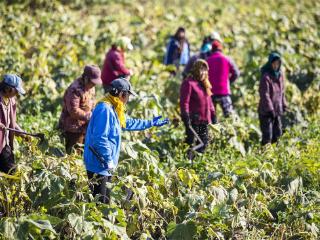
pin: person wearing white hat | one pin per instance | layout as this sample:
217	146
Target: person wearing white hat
114	63
10	87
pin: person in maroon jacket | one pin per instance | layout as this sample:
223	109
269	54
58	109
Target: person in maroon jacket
10	87
78	103
196	106
272	99
114	63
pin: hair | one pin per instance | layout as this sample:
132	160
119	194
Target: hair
5	87
180	29
195	74
114	92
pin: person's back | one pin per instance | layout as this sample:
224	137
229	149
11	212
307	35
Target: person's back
219	71
113	67
114	63
222	72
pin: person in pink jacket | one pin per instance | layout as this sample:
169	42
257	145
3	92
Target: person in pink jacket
222	72
196	106
114	63
10	87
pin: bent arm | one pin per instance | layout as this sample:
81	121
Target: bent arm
118	65
73	107
185	94
264	91
100	131
234	71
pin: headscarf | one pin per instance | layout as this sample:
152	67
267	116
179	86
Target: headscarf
195	74
267	68
119	107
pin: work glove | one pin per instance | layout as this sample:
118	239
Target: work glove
158	122
186	119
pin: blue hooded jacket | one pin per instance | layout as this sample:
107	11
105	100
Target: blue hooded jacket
173	55
104	136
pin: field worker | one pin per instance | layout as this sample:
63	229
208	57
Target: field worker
196	106
10	87
114	63
204	53
103	137
272	102
178	49
78	103
222	72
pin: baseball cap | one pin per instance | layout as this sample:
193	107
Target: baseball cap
14	81
94	73
122	84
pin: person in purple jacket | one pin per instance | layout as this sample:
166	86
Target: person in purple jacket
196	106
222	72
272	102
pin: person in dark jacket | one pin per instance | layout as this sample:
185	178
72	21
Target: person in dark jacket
196	107
204	53
178	49
114	63
272	102
10	87
222	72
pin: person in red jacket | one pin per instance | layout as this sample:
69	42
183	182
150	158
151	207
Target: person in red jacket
114	63
78	103
196	106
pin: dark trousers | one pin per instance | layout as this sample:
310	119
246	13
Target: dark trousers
7	163
271	128
97	185
72	139
202	132
225	103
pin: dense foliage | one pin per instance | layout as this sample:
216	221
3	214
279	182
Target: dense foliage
236	190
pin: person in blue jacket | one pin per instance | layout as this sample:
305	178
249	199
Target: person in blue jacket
103	137
178	49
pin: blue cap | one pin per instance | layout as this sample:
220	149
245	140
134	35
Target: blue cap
14	81
122	84
206	48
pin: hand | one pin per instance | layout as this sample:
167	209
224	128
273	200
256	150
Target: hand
2	126
214	119
272	114
158	122
285	108
89	116
186	119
